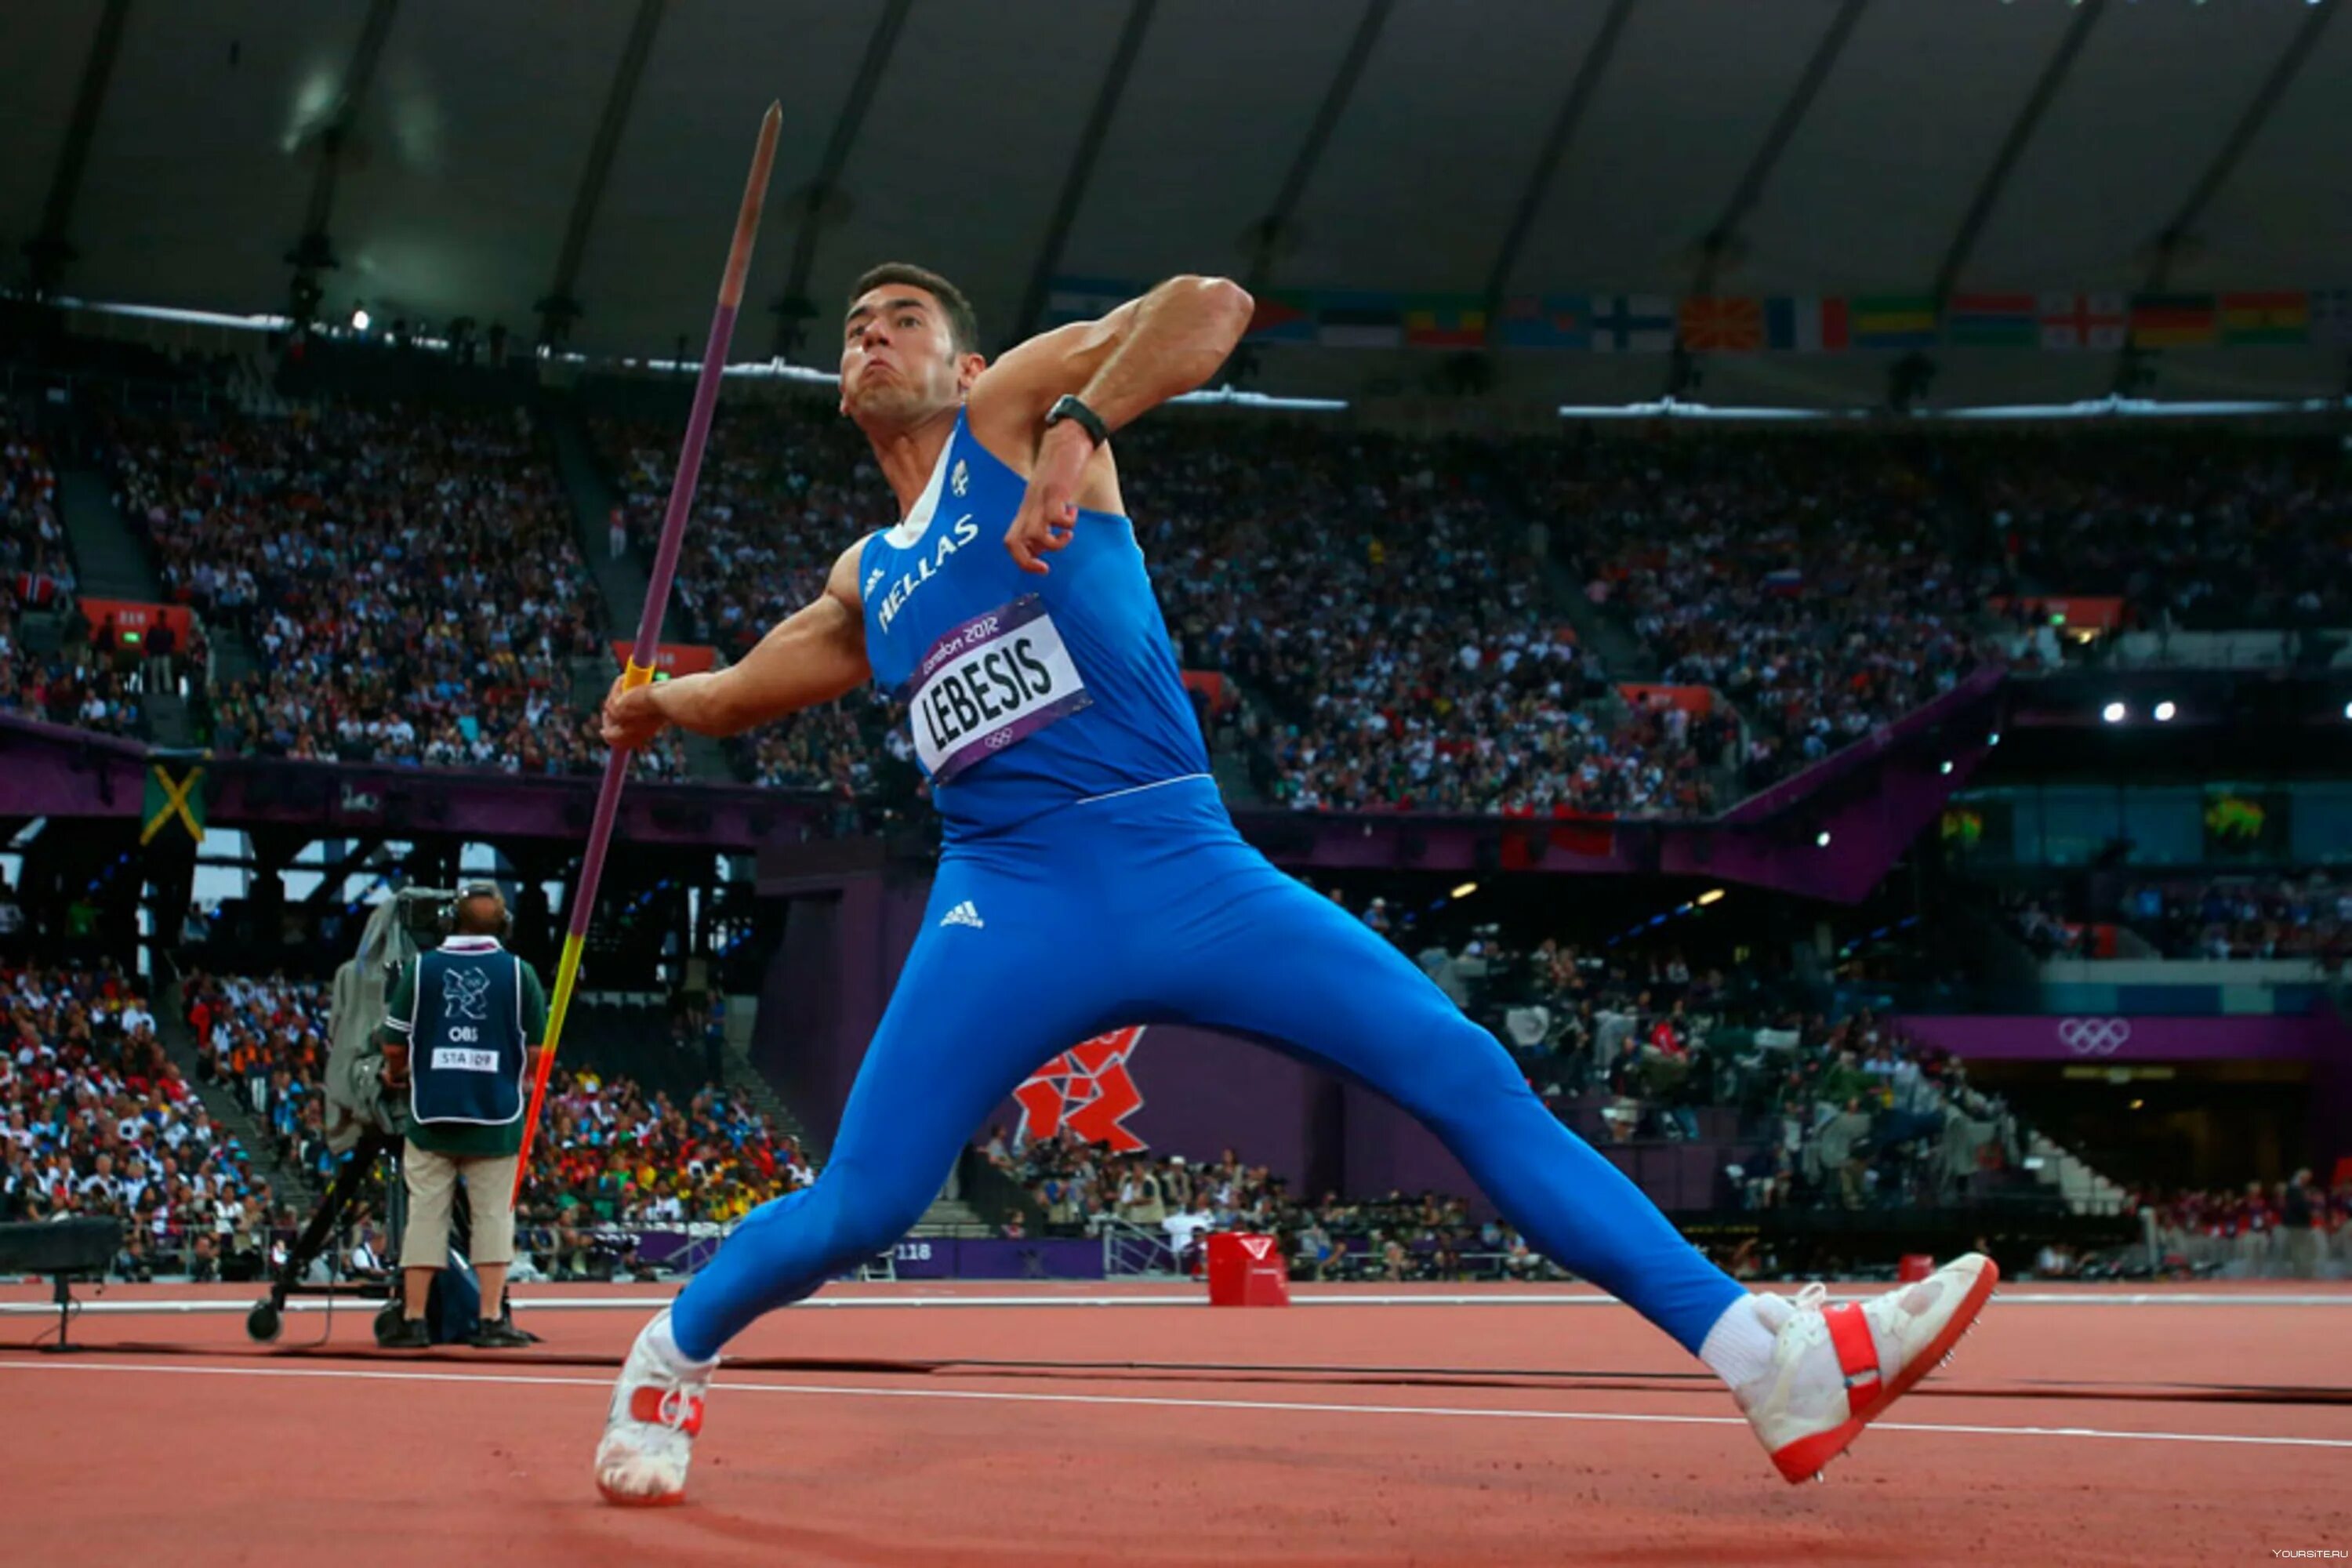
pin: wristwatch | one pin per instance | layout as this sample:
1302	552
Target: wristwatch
1079	415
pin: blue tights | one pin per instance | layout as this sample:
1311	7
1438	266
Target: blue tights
1152	909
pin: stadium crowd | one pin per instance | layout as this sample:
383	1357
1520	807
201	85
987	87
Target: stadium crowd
410	579
80	682
2243	916
1386	597
407	576
2204	531
1814	584
1639	1040
612	1158
2304	915
785	486
98	1121
1168	1205
1379	592
2299	1228
265	1039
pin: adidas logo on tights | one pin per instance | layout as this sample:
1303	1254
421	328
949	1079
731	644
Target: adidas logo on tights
963	914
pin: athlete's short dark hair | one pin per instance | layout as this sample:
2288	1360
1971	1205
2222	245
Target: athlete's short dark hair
963	326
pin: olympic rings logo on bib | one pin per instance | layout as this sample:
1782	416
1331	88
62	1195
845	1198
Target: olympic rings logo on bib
990	683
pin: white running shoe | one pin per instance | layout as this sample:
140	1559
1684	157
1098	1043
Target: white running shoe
656	1414
1835	1369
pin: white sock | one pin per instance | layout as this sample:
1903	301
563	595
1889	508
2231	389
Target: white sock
1739	1347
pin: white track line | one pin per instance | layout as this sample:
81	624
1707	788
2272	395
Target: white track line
1159	1402
1191	1299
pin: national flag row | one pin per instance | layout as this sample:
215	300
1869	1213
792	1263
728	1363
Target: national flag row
1651	323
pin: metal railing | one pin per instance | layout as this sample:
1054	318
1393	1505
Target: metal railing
1130	1251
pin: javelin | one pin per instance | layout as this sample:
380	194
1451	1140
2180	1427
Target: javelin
640	668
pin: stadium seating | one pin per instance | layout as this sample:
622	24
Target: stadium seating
1396	611
95	1120
408	578
1377	591
2204	530
68	680
1814	581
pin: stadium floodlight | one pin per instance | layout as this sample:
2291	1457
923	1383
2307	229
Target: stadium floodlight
359	321
1465	889
1944	768
2115	713
1821	840
1712	896
1993	738
2165	712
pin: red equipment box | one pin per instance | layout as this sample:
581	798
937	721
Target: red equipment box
1247	1271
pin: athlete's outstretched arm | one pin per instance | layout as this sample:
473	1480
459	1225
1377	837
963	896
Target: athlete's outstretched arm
815	653
1126	364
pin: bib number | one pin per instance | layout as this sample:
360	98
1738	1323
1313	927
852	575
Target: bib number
449	1058
989	684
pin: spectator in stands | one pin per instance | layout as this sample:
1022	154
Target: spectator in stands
1185	1227
12	923
1142	1201
1842	1143
2296	1215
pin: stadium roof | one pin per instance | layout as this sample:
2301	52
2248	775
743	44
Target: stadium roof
464	159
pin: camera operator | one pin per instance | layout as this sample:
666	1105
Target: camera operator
464	1023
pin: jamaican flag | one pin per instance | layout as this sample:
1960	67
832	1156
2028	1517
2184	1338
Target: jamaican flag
175	796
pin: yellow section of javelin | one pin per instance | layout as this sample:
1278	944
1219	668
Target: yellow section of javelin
635	675
567	972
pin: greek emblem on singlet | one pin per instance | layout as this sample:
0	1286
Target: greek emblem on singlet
988	684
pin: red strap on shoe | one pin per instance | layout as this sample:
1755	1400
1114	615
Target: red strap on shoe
1857	1350
646	1405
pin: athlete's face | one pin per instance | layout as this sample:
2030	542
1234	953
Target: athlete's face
898	359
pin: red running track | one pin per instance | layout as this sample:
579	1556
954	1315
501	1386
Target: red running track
2089	1428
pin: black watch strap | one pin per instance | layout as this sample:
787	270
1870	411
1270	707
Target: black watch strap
1070	409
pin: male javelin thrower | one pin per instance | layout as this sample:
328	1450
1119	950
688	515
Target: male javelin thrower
1090	878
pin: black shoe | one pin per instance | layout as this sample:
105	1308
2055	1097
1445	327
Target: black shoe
412	1335
501	1334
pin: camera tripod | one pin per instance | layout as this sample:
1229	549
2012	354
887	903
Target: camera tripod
268	1317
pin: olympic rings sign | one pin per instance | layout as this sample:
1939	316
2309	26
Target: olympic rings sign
2094	1036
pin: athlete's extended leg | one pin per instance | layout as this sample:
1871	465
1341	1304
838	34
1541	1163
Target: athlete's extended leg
976	1009
967	1022
1262	955
1275	961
